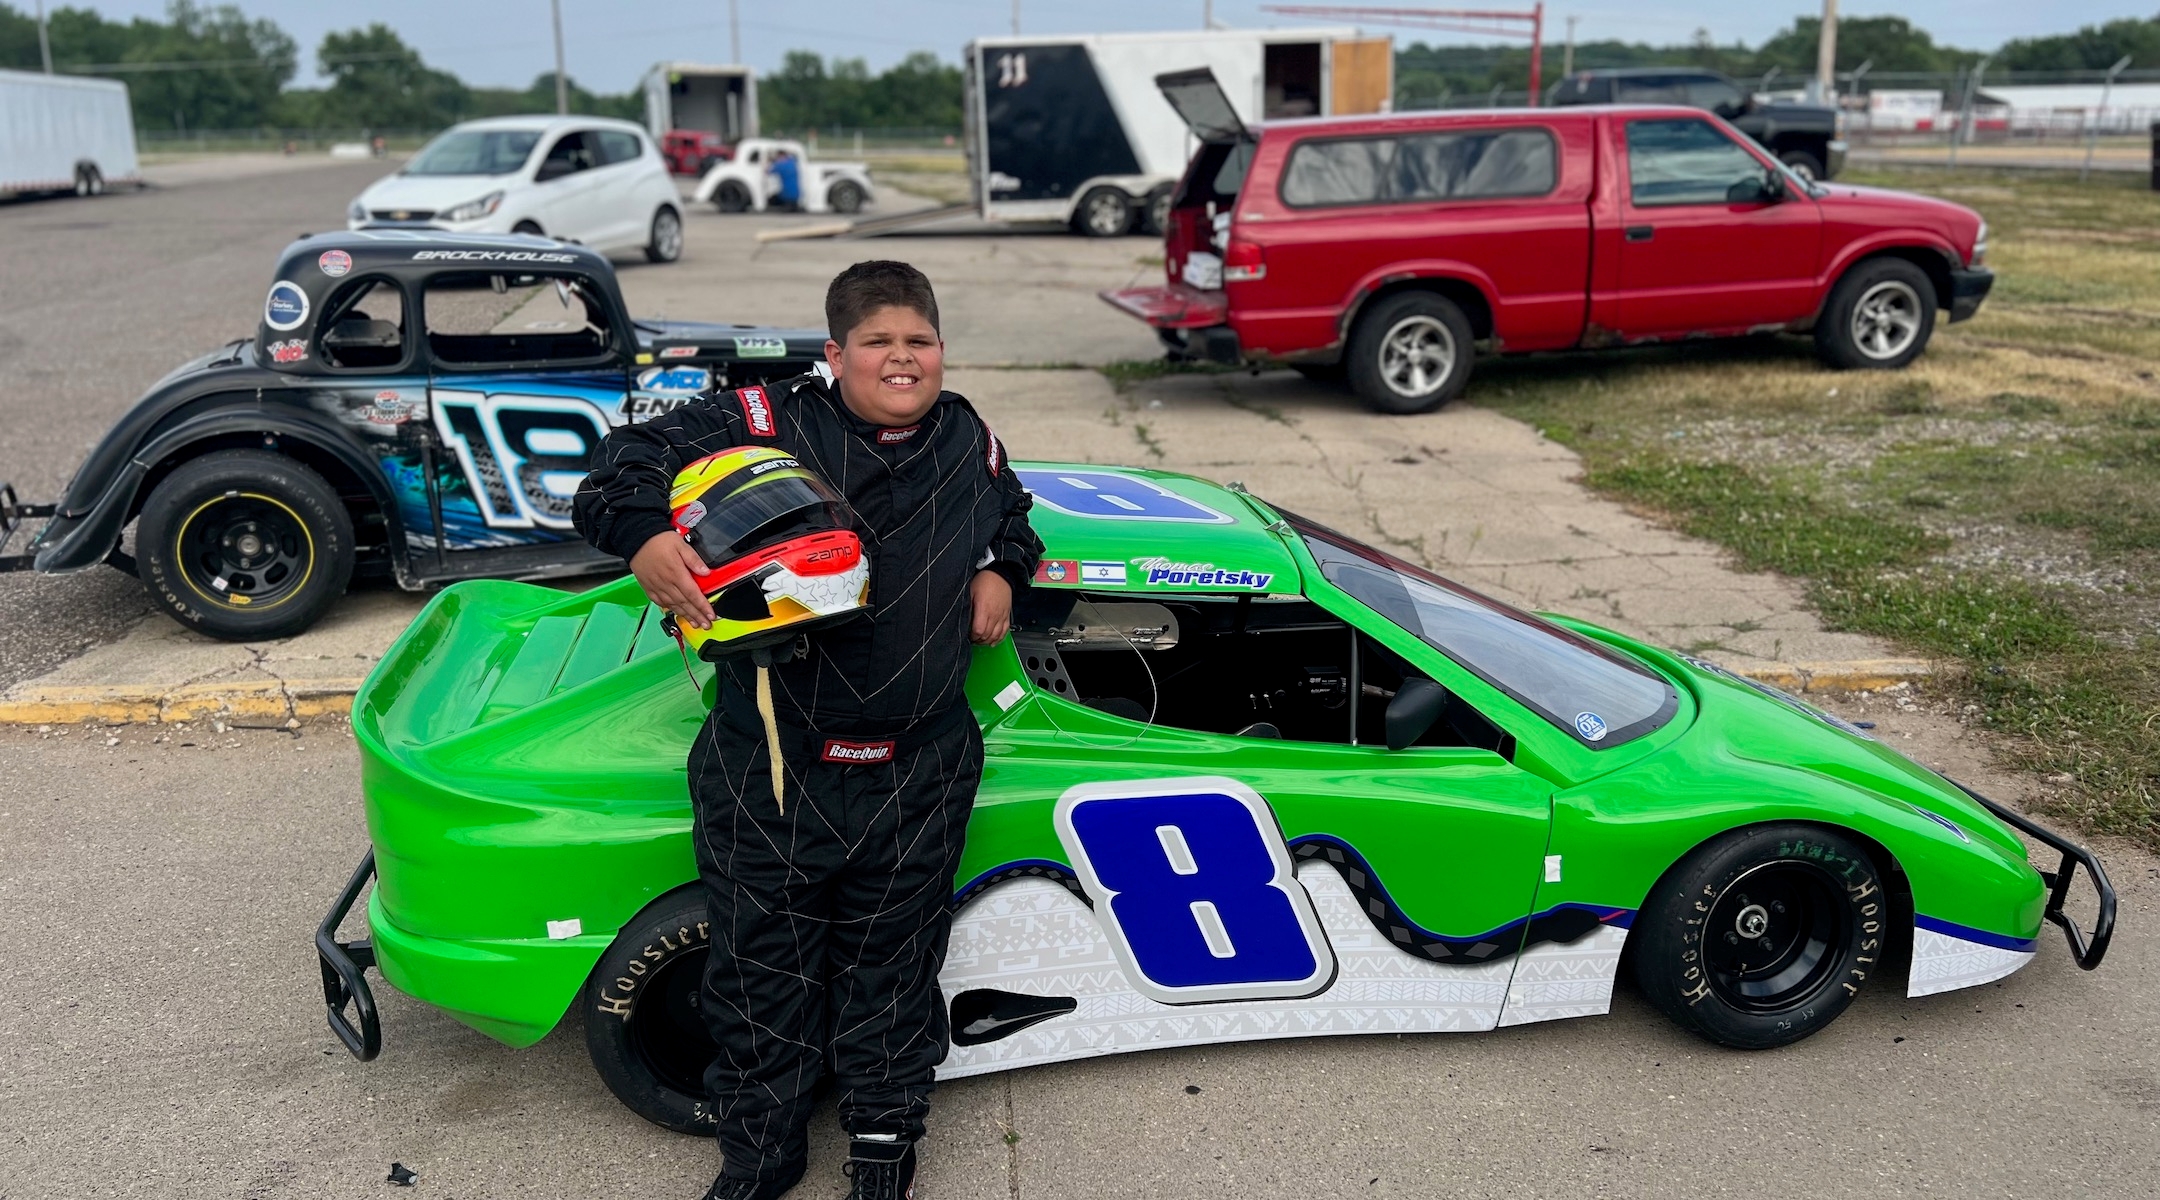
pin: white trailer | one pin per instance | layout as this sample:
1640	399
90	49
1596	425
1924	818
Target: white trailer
64	133
715	100
1074	130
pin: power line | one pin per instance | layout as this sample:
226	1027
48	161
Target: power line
213	64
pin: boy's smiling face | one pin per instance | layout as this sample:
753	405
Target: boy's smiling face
892	367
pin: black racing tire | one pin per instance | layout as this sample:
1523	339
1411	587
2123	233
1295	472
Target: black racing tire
244	545
528	228
1762	936
1879	317
1410	353
1805	163
666	241
1155	210
845	196
1104	212
642	1023
731	196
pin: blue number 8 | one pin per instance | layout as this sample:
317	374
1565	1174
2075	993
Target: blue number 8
1196	890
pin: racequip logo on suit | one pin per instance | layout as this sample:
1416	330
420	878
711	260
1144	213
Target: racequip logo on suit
995	455
893	437
837	751
757	410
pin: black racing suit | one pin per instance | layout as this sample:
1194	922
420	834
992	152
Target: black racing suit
829	923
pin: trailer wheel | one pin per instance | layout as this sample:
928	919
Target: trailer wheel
643	1027
846	196
89	181
1410	353
1155	211
243	545
1104	212
732	197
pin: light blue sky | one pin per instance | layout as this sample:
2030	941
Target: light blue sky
609	43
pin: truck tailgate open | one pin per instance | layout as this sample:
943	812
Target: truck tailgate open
1171	306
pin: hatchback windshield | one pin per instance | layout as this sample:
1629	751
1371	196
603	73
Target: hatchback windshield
1593	692
474	152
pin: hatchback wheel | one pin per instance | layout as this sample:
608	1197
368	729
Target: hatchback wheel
1410	353
1103	212
665	245
1763	936
1879	316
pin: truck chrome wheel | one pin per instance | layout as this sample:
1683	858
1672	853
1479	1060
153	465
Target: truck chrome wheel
1886	320
1417	355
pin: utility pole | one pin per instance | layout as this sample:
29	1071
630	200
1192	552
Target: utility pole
734	32
44	43
562	84
1207	14
2092	132
1016	18
1963	132
1825	86
1567	56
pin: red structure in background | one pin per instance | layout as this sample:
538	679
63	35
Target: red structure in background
1488	22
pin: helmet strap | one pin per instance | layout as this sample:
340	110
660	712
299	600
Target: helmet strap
763	658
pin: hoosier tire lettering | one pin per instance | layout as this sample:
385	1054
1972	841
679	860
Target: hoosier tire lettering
644	1027
1763	936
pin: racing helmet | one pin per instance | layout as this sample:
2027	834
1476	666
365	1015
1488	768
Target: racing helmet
779	545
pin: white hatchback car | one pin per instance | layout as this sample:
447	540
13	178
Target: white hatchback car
582	179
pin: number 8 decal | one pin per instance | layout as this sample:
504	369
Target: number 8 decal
1196	890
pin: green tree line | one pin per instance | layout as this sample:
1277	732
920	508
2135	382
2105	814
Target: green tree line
213	67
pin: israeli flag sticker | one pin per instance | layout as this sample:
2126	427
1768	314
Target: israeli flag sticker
1591	726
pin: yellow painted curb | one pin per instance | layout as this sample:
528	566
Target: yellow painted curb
1864	674
254	703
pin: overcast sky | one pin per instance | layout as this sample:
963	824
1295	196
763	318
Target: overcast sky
610	43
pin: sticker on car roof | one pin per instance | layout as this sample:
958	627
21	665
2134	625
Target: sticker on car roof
286	307
761	347
1163	571
1108	496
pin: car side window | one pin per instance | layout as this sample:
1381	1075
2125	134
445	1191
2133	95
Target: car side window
1687	161
482	319
364	327
619	146
1451	165
571	153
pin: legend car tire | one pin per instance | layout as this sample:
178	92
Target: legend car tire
643	1028
244	545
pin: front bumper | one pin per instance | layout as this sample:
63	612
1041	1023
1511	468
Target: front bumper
1967	289
344	971
2090	948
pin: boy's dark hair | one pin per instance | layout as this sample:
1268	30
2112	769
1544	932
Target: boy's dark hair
869	286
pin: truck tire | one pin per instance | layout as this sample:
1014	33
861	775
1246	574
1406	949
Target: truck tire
1763	936
1410	353
244	545
845	196
1805	163
665	244
731	197
642	1025
1155	210
1104	212
1879	317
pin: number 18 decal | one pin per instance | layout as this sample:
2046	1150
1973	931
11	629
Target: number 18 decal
1196	889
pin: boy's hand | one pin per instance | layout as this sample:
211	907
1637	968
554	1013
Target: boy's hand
992	598
667	568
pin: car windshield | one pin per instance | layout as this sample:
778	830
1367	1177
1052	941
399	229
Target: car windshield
1590	691
474	152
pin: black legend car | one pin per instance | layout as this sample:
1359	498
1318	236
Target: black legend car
413	404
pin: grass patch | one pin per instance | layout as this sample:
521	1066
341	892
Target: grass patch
1125	374
1995	506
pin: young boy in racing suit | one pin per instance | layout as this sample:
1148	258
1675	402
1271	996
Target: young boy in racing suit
829	920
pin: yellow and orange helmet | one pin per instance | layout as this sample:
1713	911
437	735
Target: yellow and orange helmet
779	544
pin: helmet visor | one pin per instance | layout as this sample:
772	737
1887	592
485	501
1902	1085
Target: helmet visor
745	510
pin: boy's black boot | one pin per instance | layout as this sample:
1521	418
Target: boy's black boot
882	1170
729	1188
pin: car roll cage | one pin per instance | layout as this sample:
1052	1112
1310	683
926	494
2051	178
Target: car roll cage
2088	950
344	971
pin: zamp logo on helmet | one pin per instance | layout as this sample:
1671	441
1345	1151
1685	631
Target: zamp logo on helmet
757	410
857	752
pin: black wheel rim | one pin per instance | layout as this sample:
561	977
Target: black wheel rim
1776	936
245	550
667	1029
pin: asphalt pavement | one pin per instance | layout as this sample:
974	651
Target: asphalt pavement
161	1035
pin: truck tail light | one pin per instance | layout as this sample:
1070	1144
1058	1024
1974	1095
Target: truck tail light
1243	262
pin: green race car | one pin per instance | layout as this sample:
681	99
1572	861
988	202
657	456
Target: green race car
1246	778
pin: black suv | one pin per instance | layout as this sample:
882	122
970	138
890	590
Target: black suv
1803	136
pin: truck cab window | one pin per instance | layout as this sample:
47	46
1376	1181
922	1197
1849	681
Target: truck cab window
1687	161
483	319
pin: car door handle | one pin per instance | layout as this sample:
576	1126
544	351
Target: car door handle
1639	233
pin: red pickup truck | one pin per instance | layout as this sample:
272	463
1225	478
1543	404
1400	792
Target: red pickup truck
1390	249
